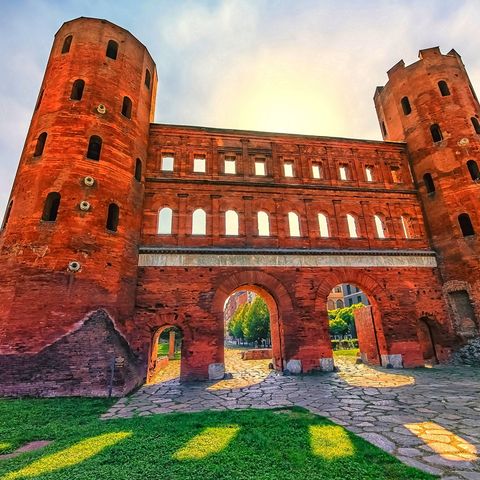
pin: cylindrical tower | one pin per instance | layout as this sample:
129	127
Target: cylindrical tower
69	239
432	106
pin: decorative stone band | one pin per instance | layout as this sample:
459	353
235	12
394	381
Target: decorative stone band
222	257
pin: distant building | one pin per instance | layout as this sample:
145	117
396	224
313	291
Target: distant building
346	295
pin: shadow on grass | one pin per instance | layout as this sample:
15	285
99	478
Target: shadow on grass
250	444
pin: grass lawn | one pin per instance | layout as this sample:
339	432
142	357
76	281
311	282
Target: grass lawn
163	351
248	444
352	352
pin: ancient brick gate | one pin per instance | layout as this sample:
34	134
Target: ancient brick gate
117	227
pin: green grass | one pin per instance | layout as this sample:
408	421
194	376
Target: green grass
163	351
353	352
248	444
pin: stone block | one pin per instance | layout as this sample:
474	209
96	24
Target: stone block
294	367
216	371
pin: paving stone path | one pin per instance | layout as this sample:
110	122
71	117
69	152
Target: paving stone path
428	418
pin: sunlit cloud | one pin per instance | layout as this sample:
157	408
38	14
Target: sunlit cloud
209	441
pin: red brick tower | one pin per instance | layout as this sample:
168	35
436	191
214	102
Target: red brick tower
69	240
431	105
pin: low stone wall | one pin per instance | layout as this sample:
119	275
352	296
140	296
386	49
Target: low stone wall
257	354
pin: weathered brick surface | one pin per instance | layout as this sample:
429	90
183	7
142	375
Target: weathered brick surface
46	345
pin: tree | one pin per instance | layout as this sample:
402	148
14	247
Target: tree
256	326
342	320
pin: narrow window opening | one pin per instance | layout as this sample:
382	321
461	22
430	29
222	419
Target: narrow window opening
293	224
138	170
7	214
384	129
77	89
112	49
199	165
40	146
164	226
407	226
263	224
466	225
230	165
231	222
39	99
343	171
50	208
288	169
323	225
94	147
127	107
66	44
407	109
396	174
429	183
113	216
316	171
167	163
379	226
473	170
148	78
199	222
476	124
352	226
436	133
443	87
260	167
369	174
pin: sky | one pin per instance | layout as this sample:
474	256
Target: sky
295	66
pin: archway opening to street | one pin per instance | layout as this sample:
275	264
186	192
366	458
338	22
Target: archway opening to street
251	331
165	354
354	325
426	337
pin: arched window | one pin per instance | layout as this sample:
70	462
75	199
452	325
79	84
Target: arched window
343	172
369	174
466	225
317	170
323	225
476	124
379	226
112	49
263	223
199	222
293	224
339	304
113	216
231	222
66	44
77	89
138	170
39	147
94	147
148	78
7	214
127	107
436	133
473	169
407	226
407	109
352	226
443	87
50	208
39	99
428	181
165	216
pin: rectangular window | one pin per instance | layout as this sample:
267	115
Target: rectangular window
396	174
288	169
316	170
199	165
350	302
349	290
343	172
167	163
359	299
260	167
230	166
369	174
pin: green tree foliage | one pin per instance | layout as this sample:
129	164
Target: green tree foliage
341	320
250	322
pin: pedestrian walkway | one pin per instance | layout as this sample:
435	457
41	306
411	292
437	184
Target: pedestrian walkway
428	418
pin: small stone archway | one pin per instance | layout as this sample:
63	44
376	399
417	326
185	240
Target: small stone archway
426	337
275	296
369	324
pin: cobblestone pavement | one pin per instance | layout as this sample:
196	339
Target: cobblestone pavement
428	418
